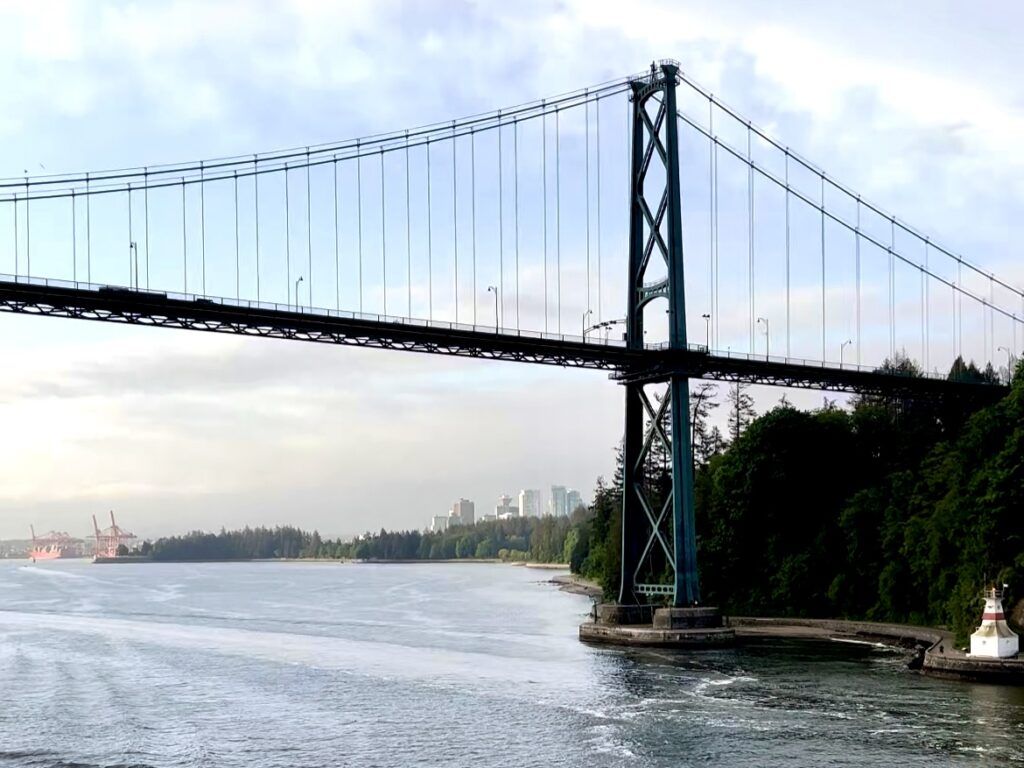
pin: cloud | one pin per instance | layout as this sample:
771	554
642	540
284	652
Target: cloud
184	429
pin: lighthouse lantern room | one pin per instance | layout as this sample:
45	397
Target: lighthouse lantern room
994	639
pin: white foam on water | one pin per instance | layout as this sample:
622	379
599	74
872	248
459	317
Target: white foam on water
39	570
852	641
362	657
707	682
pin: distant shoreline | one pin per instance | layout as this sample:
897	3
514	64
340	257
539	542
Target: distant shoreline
326	560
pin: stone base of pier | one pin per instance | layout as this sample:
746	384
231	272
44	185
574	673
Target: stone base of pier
650	626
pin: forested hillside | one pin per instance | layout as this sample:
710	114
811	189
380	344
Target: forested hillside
893	510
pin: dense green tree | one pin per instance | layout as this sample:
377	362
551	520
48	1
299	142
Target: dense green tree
897	509
741	409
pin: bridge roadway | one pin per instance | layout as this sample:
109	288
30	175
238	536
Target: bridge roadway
37	296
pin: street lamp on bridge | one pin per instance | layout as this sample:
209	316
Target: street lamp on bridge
586	314
707	331
1009	362
842	348
494	289
767	337
297	293
133	250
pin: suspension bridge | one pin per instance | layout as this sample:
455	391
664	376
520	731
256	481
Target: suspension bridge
588	230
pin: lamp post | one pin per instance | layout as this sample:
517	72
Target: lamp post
297	293
842	348
1009	362
767	337
133	250
584	323
707	331
494	289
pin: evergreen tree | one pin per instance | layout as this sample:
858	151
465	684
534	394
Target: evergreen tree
702	403
741	410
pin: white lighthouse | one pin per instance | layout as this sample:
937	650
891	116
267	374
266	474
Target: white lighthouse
994	639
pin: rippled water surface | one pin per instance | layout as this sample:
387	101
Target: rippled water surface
285	664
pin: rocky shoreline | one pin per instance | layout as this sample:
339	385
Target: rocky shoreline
577	585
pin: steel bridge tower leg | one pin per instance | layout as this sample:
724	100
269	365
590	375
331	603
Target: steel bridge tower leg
659	549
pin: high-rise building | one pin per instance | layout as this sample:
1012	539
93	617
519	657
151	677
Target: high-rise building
439	523
573	501
463	512
558	503
529	503
505	509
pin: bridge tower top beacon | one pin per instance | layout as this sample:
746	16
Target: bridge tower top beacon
659	558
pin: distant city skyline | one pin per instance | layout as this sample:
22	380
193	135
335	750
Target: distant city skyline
562	502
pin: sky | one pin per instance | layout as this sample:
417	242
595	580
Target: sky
916	105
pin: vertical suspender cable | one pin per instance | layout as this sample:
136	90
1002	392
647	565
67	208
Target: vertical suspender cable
309	234
472	194
515	195
184	241
558	222
202	222
892	288
856	239
383	235
711	212
455	218
598	138
408	233
750	234
74	247
789	324
927	308
501	228
16	260
952	333
472	210
256	220
130	245
288	242
238	256
991	318
924	351
145	205
88	231
716	304
337	240
544	177
823	326
984	332
359	217
924	308
430	243
586	130
28	232
960	308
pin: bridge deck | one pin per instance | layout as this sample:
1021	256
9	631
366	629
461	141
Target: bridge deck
141	307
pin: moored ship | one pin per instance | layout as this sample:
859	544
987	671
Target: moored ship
54	545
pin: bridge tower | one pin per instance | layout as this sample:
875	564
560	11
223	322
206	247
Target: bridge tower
659	549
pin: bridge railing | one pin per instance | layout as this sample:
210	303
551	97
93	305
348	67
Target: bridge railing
803	362
305	309
445	325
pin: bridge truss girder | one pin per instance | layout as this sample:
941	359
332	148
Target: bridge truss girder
623	364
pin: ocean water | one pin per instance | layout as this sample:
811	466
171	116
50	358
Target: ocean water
320	664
